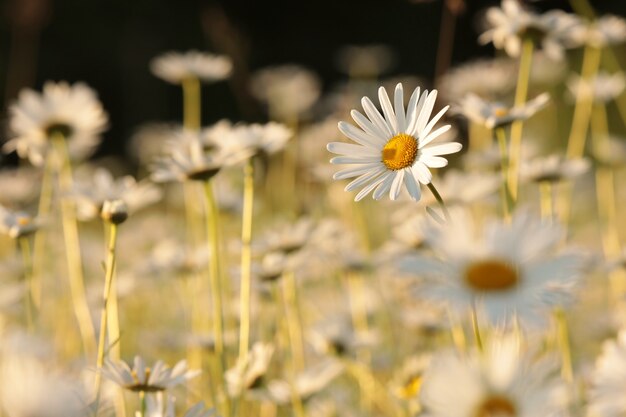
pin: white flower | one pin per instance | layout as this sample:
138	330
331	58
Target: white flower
495	114
247	373
142	378
606	397
553	168
393	150
71	112
503	381
507	269
602	88
175	67
17	224
365	61
604	31
464	188
307	383
253	138
157	406
289	90
488	78
91	194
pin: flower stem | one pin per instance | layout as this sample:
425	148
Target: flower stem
108	283
191	103
28	278
246	258
72	249
293	320
564	344
545	192
507	200
476	328
437	196
521	94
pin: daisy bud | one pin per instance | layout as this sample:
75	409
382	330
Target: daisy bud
114	211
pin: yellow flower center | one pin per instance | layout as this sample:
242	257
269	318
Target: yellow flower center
491	275
400	152
23	220
501	111
496	406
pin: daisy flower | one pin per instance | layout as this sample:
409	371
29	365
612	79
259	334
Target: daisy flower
175	67
253	138
248	373
17	224
142	378
496	114
553	168
606	397
307	383
507	269
158	406
603	88
484	77
393	150
503	381
72	112
604	31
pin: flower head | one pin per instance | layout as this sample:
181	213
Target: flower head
17	224
247	373
495	114
393	150
175	67
609	377
142	378
70	112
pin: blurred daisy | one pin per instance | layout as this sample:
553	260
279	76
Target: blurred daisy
553	168
18	185
495	114
510	270
92	194
189	160
337	337
247	374
307	383
17	224
253	138
175	67
271	267
157	406
606	397
142	378
406	383
603	31
288	238
502	381
71	112
510	24
393	151
463	188
487	78
289	90
602	88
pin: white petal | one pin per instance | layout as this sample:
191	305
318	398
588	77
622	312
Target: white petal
375	117
342	148
424	113
443	149
354	171
358	135
381	190
415	113
398	101
433	121
385	104
434	161
394	192
412	186
354	159
364	179
422	173
365	191
432	136
369	127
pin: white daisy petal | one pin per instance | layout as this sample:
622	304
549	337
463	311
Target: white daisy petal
382	188
398	101
369	127
375	116
442	149
354	171
385	104
411	185
343	148
434	161
422	173
353	160
359	136
432	136
364	179
396	186
368	189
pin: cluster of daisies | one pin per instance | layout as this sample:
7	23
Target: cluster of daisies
490	282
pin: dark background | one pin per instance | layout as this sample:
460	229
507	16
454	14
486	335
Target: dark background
108	44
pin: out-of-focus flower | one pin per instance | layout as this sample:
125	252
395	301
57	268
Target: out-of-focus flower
247	374
336	336
488	78
609	376
365	61
509	270
289	90
175	67
552	168
17	224
188	159
69	112
18	186
494	114
253	138
604	31
510	24
142	378
602	88
393	151
91	194
501	381
464	188
149	141
407	381
490	159
157	406
307	383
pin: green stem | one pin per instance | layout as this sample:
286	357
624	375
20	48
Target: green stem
292	316
437	196
521	94
564	344
72	249
476	328
191	103
507	200
246	258
545	192
28	278
108	283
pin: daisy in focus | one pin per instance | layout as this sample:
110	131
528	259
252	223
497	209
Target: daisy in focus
70	112
509	270
393	150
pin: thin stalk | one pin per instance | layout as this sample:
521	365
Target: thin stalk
72	250
246	258
39	246
191	103
476	328
564	344
437	196
546	200
521	94
292	316
108	284
505	192
144	405
28	278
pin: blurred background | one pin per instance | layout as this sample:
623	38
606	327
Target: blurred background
108	44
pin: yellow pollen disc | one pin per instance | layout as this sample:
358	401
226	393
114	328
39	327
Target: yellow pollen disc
23	221
497	406
491	275
501	112
400	152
